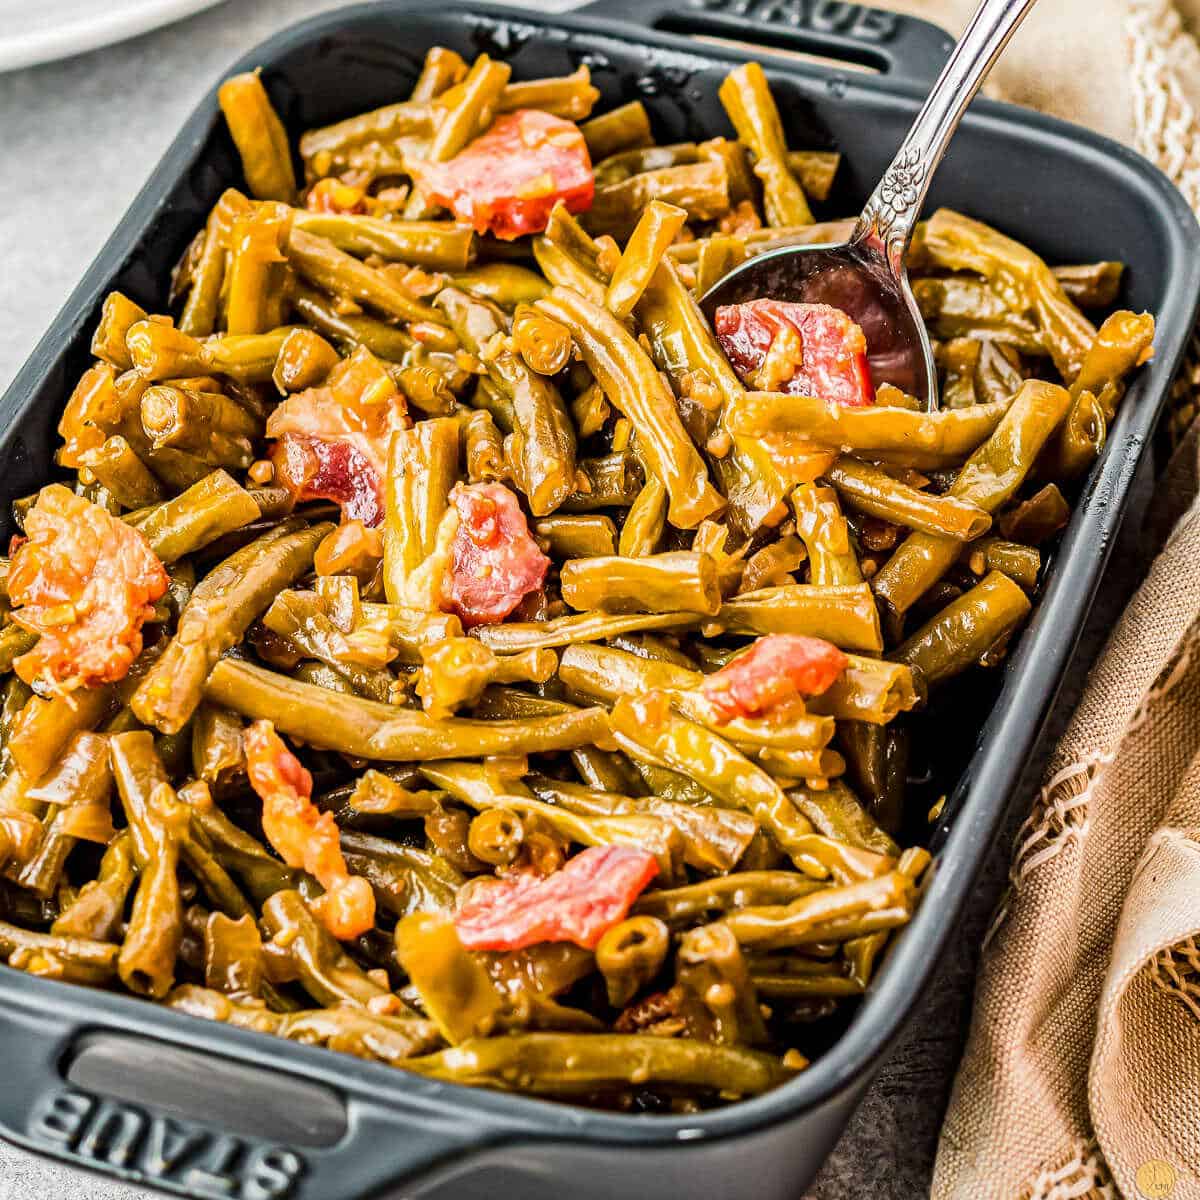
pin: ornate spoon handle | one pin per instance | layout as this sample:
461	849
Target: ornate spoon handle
892	210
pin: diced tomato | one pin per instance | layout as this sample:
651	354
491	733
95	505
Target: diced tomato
775	669
302	835
332	440
86	583
507	180
578	903
494	561
831	351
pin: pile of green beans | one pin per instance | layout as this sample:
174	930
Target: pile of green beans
683	517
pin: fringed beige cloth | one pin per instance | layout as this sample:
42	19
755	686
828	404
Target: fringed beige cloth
1081	1076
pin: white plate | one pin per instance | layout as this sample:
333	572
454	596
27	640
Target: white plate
37	32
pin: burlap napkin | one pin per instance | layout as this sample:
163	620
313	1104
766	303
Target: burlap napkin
1082	1070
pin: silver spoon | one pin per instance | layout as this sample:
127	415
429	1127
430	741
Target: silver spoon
866	276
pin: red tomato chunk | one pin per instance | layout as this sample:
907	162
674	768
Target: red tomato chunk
775	669
85	582
579	903
507	181
801	349
494	561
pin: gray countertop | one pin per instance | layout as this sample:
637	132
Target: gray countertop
81	136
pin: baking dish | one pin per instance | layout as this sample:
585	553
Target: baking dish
206	1110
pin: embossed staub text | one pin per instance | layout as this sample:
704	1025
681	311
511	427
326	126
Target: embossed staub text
169	1153
821	16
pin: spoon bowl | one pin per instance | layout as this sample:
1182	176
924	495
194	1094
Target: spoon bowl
856	278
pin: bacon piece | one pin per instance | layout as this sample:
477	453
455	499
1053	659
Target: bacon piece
86	583
801	349
579	903
494	561
775	669
332	440
508	179
303	836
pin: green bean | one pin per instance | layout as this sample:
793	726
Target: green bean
359	140
505	284
455	988
987	480
778	926
884	433
319	261
625	127
1019	276
98	910
543	440
383	340
623	164
482	446
259	136
406	879
610	481
569	96
199	315
1036	520
844	615
588	535
299	617
325	970
513	636
996	378
815	170
544	345
117	314
371	730
751	108
409	630
305	358
832	561
95	961
870	690
14	641
872	490
220	610
643	527
422	465
218	747
579	1064
700	189
965	629
118	468
655	230
713	838
630	381
671	582
1091	285
194	420
206	511
710	965
254	276
959	307
157	823
45	727
436	245
762	241
630	955
718	256
162	353
441	70
647	722
476	99
836	812
1020	563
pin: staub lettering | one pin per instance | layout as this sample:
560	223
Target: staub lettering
166	1151
821	16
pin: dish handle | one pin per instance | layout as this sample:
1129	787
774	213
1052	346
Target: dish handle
176	1112
895	44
